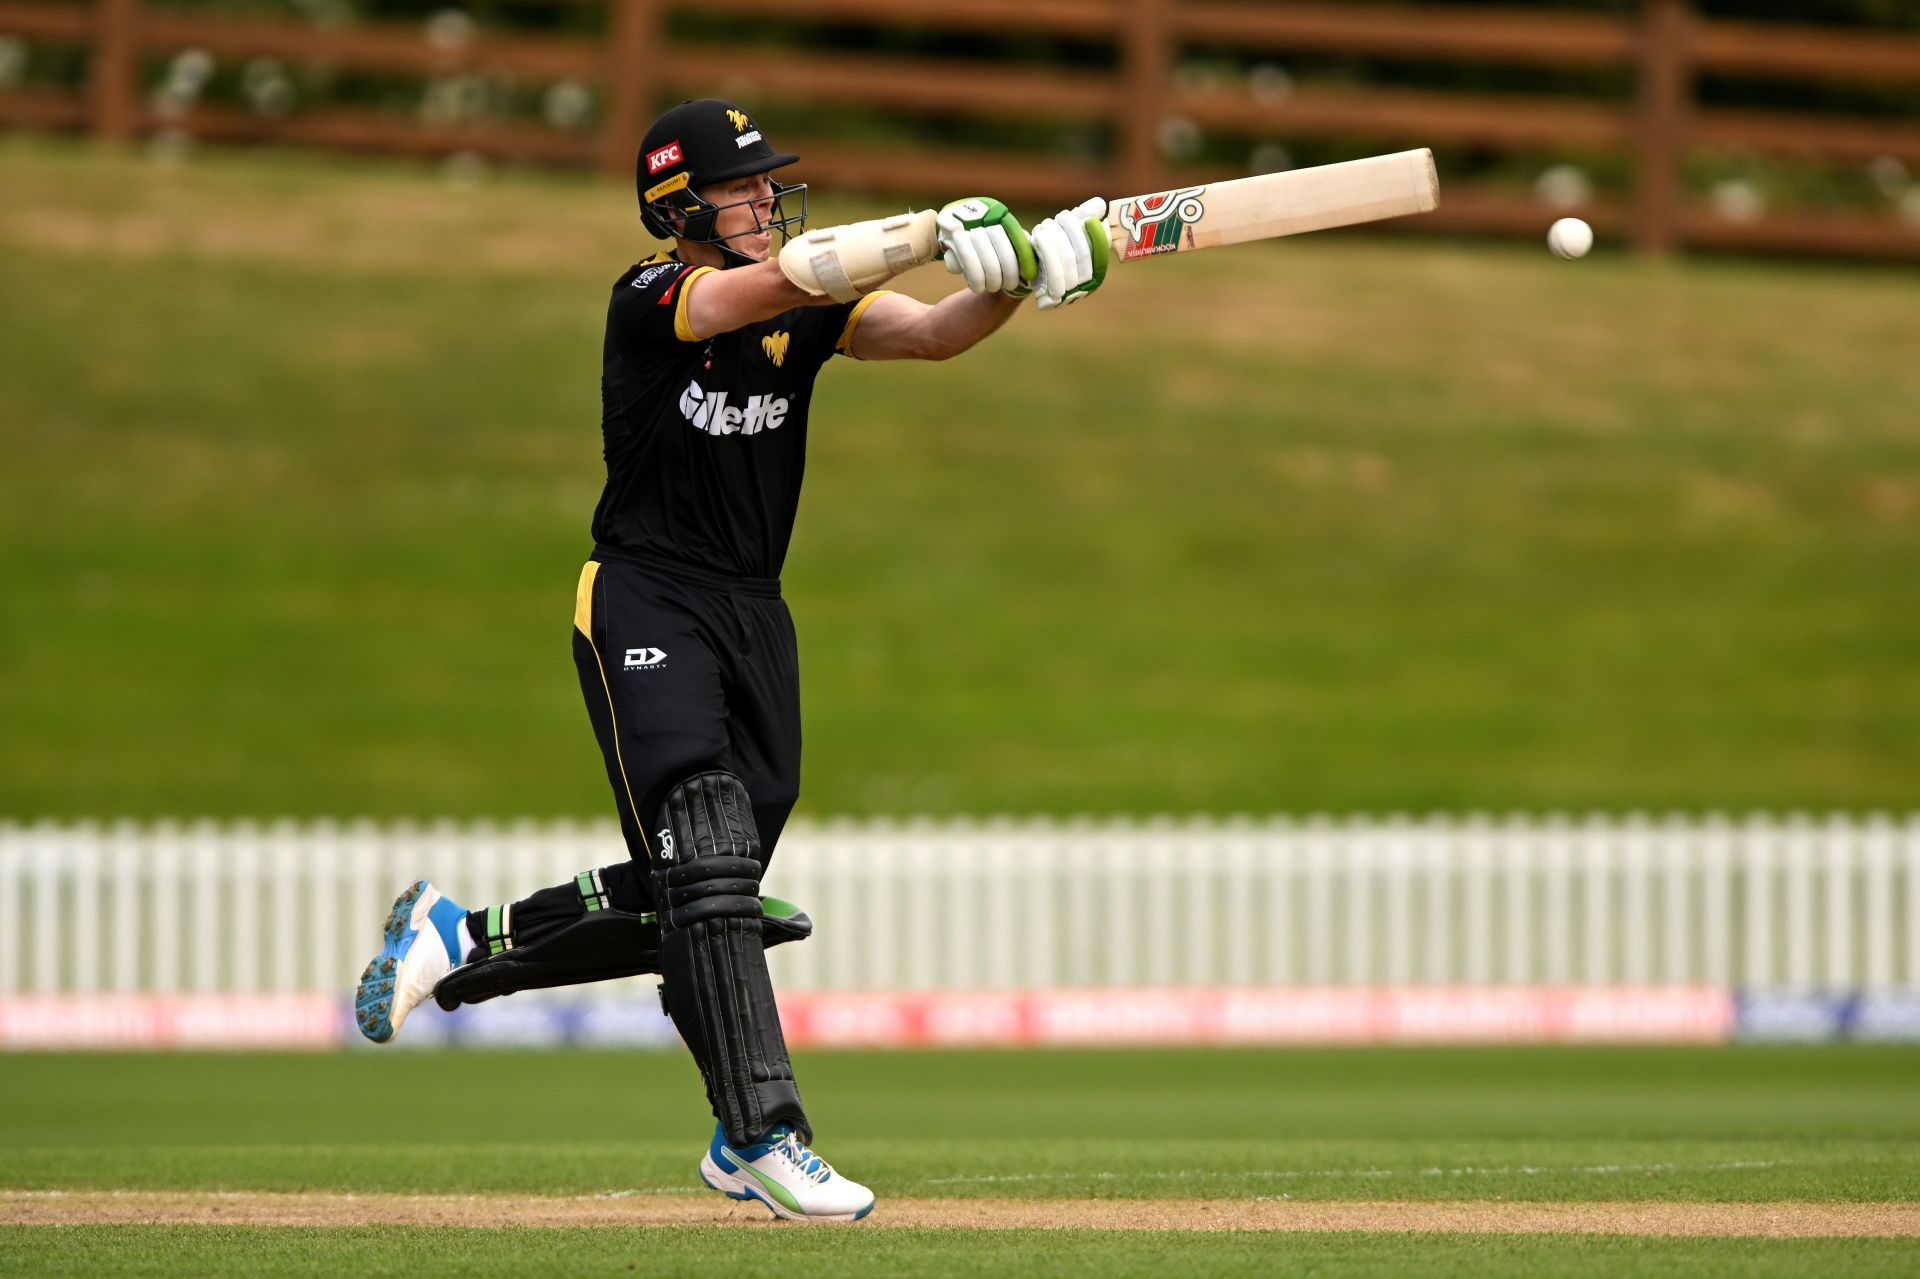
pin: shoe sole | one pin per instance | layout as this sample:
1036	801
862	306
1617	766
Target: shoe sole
737	1188
373	997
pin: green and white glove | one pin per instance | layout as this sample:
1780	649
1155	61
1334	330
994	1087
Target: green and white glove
984	243
1073	248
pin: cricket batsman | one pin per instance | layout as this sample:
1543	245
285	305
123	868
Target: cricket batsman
684	647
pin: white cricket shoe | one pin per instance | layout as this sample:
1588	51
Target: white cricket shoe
423	935
783	1174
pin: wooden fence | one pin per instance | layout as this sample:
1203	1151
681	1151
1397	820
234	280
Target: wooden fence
637	64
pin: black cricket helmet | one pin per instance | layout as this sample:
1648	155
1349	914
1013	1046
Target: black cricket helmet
695	145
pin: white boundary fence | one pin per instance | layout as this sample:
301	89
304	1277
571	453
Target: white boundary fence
1778	902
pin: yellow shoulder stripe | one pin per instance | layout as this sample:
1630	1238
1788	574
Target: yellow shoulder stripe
845	344
682	329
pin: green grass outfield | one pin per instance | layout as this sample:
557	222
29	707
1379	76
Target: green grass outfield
515	1253
299	456
1828	1125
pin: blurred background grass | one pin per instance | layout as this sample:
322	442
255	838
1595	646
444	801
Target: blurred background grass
299	457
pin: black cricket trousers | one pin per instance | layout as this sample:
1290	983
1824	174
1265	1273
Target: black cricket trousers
683	672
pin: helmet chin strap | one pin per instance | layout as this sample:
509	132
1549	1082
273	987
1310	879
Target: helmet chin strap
732	257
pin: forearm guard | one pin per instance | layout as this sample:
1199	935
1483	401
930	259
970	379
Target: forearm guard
845	262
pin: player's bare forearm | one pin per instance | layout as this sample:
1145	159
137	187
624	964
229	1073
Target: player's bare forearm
897	327
961	321
723	301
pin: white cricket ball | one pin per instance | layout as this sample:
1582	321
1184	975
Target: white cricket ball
1570	238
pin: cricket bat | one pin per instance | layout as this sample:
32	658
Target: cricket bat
1273	204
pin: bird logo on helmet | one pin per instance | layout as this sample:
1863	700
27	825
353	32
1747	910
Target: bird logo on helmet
694	148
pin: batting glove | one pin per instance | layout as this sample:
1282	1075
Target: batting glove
1073	247
986	245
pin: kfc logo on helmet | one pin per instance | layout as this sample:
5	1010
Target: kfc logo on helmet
666	157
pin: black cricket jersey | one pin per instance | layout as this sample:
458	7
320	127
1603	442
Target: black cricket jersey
706	439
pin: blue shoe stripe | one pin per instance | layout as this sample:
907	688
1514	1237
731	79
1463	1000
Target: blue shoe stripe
450	918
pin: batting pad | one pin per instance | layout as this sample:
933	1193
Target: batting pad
713	962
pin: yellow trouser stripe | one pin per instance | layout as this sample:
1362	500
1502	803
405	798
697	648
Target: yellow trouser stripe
583	600
583	622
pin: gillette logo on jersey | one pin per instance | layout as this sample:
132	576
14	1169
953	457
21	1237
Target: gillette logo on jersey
714	415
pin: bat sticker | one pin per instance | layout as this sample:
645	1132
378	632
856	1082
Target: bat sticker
1153	223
